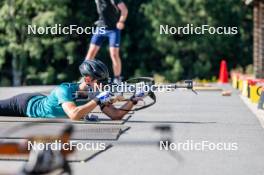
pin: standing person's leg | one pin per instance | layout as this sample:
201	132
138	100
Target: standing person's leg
116	61
95	44
114	44
92	52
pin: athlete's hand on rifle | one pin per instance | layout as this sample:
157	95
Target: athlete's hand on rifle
138	96
103	98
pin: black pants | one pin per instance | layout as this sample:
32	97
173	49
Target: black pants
17	105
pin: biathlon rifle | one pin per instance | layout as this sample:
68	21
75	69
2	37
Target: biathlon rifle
122	92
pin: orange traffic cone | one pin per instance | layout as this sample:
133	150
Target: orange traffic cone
223	74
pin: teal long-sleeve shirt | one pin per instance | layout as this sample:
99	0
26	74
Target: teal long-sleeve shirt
51	106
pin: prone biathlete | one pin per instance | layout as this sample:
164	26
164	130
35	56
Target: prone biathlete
60	102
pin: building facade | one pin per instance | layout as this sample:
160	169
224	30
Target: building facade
258	35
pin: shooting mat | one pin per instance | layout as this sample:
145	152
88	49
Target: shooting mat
102	120
20	130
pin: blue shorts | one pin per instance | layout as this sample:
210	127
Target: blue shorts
113	36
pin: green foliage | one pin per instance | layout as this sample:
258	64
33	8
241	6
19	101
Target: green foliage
199	55
51	59
19	49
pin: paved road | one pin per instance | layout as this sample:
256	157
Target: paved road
204	117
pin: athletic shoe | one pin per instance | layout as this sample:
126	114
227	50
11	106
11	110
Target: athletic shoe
117	80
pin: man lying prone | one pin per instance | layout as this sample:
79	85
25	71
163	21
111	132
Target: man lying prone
60	102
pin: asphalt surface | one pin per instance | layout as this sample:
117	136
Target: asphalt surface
206	117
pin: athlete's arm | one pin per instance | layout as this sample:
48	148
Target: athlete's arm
124	11
115	113
118	114
78	112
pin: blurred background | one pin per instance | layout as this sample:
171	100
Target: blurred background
52	59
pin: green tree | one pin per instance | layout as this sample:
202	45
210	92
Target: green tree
189	56
51	59
26	52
